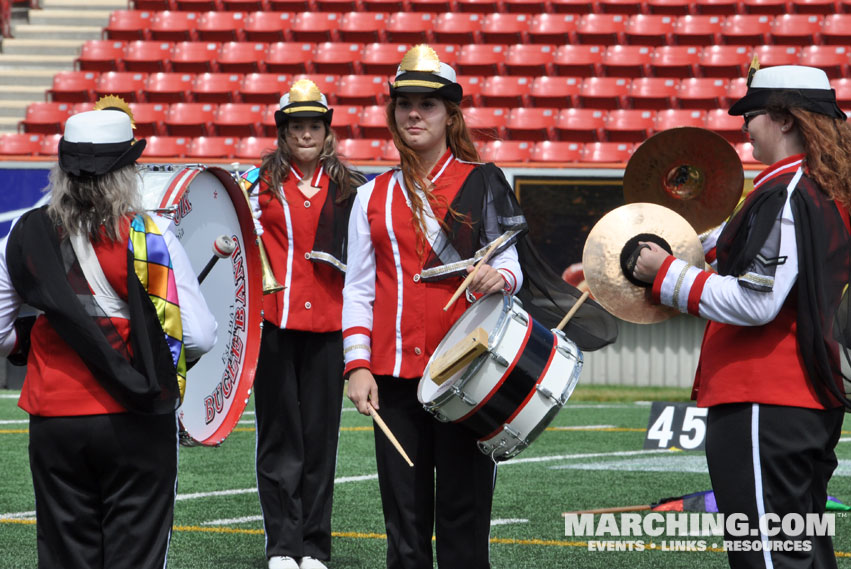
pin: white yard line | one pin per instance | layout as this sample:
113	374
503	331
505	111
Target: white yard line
588	455
18	516
507	521
583	427
230	521
15	422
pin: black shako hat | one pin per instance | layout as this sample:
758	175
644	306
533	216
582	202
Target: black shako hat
792	85
303	100
421	71
98	142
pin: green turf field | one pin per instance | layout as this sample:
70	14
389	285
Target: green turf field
601	464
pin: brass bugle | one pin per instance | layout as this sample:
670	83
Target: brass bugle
270	283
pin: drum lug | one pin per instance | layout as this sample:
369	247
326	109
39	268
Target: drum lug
463	396
436	412
549	395
498	359
520	317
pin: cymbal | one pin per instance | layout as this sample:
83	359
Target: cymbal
692	171
601	257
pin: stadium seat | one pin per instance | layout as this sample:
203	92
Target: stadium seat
129	85
833	59
430	6
672	118
823	7
389	152
552	29
532	60
675	61
457	28
128	25
294	6
725	124
289	57
628	7
571	6
189	119
382	58
211	147
480	59
531	123
72	86
244	6
20	143
472	85
254	147
486	122
836	29
603	92
363	27
361	90
702	29
242	57
474	6
629	125
149	118
745	152
842	87
100	55
652	92
626	61
195	56
736	89
171	87
556	151
339	58
165	147
265	88
769	7
555	92
504	91
45	118
197	5
771	55
409	27
50	144
385	6
153	5
578	60
606	152
373	122
796	29
345	120
670	7
502	28
701	93
171	25
718	7
724	61
267	26
149	56
81	107
315	27
339	6
360	148
220	26
267	126
580	125
533	7
602	29
500	151
216	87
746	29
649	29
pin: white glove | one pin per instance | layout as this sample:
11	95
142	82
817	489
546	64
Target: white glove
256	212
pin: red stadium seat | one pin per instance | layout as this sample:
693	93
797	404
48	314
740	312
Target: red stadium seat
746	29
725	61
196	5
843	91
673	118
361	90
571	6
81	107
409	27
472	86
242	57
627	60
171	87
315	26
339	58
345	120
745	152
771	55
149	118
389	152
675	61
524	6
556	151
486	122
578	60
254	147
363	27
552	29
340	6
360	148
244	6
457	28
216	87
652	92
836	29
480	59
474	6
833	59
221	26
823	7
173	26
382	58
554	92
238	119
796	29
50	144
533	60
195	56
448	53
702	93
373	122
504	91
165	147
72	86
619	6
697	30
649	29
502	28
267	127
500	151
153	5
128	25
20	143
728	126
430	6
129	85
149	56
100	55
289	57
770	7
581	125
385	6
189	119
606	152
670	7
531	123
267	26
603	29
736	89
293	6
629	125
603	92
265	88
718	7
45	118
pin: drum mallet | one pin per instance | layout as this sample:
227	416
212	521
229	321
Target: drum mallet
383	426
223	247
472	275
573	310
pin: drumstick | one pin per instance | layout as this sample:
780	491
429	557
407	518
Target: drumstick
469	278
383	426
223	247
573	310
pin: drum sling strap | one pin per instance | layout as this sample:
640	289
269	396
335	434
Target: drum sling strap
47	275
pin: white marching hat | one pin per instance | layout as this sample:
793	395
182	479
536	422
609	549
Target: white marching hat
791	86
303	100
421	71
98	142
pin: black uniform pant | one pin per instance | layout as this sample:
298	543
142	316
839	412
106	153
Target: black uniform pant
456	504
298	397
773	459
104	489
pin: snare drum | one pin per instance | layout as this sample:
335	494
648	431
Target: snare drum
203	204
510	393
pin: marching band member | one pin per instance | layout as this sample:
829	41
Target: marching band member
303	200
769	369
120	315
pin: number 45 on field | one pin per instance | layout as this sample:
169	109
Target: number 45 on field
676	425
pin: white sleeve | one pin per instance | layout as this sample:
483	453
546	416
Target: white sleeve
10	304
507	262
359	290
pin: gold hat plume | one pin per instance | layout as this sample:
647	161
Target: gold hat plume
305	90
421	58
753	69
115	103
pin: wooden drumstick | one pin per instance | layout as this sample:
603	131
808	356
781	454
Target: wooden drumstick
475	271
383	426
573	310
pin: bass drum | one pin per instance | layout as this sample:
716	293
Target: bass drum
203	204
